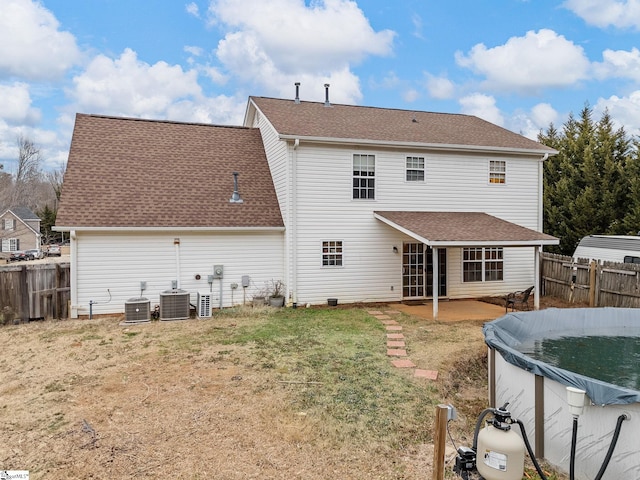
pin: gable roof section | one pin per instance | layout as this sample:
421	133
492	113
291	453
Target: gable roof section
356	124
463	229
24	214
131	173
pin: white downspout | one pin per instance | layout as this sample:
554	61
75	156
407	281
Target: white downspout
541	191
176	243
293	221
73	250
537	250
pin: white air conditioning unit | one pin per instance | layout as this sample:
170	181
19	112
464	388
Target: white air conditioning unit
204	304
137	310
174	305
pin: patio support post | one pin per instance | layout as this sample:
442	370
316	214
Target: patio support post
434	281
536	278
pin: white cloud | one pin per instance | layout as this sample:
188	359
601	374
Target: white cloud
527	64
127	86
192	9
195	51
31	45
604	13
418	26
619	64
531	123
483	106
543	115
287	41
16	105
439	87
624	111
410	95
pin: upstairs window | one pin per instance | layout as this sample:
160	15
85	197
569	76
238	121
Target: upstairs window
497	171
482	264
364	172
332	253
9	224
415	169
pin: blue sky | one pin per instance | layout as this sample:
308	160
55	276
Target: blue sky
521	64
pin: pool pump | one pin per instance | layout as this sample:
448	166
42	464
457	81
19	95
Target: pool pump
498	451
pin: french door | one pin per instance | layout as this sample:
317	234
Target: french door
417	271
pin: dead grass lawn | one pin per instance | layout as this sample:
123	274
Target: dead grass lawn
82	399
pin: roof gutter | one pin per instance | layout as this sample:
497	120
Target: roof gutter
62	228
435	146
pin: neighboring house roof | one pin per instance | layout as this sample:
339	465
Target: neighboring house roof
463	229
24	213
356	124
132	173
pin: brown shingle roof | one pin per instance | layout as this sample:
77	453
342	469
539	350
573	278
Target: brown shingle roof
464	229
348	122
140	173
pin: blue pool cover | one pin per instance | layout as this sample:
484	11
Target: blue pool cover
518	330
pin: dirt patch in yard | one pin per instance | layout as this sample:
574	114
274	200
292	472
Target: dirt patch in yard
82	399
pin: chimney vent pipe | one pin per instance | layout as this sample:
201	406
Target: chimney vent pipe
297	84
326	95
235	198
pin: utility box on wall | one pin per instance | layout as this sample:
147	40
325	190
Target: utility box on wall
218	271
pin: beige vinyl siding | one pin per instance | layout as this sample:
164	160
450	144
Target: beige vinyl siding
27	236
327	211
119	262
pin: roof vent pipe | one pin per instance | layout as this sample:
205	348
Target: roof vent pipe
326	95
235	198
297	84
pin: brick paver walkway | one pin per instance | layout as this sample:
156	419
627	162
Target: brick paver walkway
396	346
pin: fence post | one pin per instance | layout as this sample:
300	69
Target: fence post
439	441
592	283
24	298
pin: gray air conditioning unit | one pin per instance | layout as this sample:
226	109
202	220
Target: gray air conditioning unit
174	305
204	304
137	310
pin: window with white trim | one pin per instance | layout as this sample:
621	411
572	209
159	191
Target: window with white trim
482	264
364	172
415	169
332	253
10	244
497	171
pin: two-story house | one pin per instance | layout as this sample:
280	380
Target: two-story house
355	203
19	230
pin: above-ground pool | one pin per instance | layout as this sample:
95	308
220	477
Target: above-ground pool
534	356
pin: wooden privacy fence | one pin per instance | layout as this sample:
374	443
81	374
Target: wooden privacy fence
606	284
34	291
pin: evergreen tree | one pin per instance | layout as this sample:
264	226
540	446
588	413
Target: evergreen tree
587	189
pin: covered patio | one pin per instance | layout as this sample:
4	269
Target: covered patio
466	229
454	310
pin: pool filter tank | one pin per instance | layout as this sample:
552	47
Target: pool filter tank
500	452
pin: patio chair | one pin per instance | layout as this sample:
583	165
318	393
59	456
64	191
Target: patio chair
518	298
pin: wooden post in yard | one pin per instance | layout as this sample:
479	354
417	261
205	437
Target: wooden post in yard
592	283
439	441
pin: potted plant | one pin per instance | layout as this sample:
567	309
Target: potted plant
277	289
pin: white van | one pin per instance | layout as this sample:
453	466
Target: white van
612	248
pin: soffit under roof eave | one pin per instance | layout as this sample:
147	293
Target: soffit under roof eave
63	228
433	146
